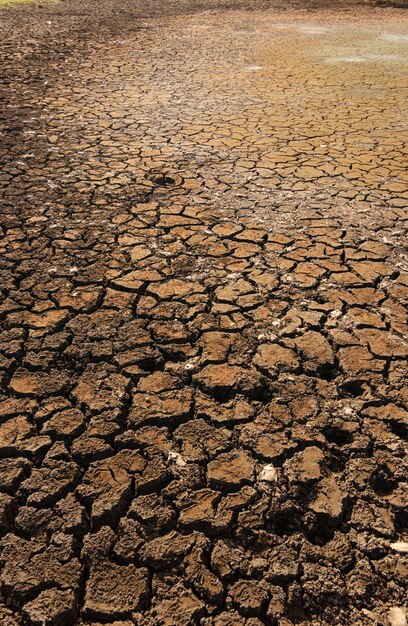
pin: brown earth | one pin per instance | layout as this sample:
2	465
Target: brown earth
204	342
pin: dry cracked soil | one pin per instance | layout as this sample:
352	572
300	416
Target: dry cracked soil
204	287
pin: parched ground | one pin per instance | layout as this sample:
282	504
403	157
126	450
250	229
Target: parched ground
204	280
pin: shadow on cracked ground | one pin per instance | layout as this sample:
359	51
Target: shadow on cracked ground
204	284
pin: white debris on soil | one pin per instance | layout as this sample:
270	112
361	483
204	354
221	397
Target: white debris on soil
268	474
175	457
397	616
191	364
400	546
267	337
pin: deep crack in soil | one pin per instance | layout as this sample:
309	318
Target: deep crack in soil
204	283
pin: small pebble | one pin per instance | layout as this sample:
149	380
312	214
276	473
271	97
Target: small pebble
176	458
268	474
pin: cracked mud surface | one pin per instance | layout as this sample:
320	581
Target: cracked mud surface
204	282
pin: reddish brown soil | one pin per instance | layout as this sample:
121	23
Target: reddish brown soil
204	281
